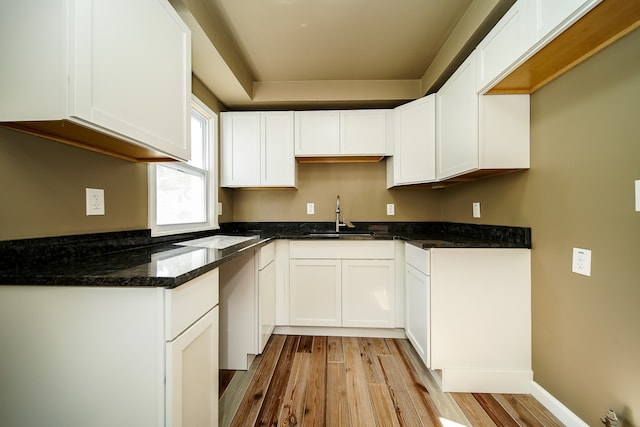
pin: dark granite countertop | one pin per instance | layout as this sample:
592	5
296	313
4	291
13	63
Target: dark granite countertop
135	259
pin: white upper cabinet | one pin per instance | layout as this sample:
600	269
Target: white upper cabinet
479	132
504	44
257	149
122	69
317	133
548	18
341	133
363	132
457	128
414	148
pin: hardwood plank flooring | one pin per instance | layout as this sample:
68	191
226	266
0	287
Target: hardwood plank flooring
354	382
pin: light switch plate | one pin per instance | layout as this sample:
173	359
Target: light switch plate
476	209
95	201
311	208
391	209
581	263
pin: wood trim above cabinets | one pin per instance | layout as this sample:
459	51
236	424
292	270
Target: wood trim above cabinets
606	23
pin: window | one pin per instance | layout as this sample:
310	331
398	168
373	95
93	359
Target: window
183	195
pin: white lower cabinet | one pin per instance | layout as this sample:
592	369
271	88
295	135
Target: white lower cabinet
417	301
342	283
480	319
109	356
192	369
266	294
315	292
368	293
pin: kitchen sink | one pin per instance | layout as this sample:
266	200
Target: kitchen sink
334	235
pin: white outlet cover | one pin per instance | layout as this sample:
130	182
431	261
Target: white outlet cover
311	208
476	209
581	262
219	208
391	209
95	201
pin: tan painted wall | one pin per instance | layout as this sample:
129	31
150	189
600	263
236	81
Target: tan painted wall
585	137
42	189
362	190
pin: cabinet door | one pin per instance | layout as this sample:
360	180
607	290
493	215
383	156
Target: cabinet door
277	158
240	149
414	156
192	375
363	132
267	304
131	71
314	292
417	311
317	133
457	106
502	47
368	293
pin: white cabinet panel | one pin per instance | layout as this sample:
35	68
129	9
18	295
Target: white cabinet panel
277	152
457	115
317	133
414	151
240	149
266	294
363	132
315	292
238	312
504	132
547	18
505	43
417	309
481	319
368	293
192	375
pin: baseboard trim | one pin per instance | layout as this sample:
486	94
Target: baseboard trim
340	332
556	407
485	381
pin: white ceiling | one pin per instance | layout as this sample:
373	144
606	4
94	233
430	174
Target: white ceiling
330	53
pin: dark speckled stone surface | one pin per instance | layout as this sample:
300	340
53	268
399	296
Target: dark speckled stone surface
134	258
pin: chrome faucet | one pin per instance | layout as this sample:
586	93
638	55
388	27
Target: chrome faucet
338	223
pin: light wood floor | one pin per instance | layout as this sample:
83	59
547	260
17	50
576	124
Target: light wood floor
333	381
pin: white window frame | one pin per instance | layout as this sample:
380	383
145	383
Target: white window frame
211	182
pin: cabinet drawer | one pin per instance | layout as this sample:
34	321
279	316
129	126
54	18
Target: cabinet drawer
315	249
266	255
418	258
188	302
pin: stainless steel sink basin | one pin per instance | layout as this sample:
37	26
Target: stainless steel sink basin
338	235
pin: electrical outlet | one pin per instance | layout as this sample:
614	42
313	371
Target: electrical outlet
581	263
391	209
311	208
95	201
476	209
